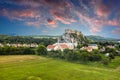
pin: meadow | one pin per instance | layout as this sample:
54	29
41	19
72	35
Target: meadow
32	67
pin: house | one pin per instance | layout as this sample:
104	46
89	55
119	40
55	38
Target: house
110	46
51	47
33	45
94	46
102	49
58	46
1	45
89	49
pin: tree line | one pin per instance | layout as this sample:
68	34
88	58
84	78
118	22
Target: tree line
78	55
70	55
27	40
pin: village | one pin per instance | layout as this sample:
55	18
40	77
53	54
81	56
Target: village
18	45
71	43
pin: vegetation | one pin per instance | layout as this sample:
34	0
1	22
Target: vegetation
29	67
75	55
101	39
70	55
41	50
24	39
16	50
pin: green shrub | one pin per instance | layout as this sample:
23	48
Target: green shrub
105	61
41	50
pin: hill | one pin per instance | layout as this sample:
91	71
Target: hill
73	36
100	38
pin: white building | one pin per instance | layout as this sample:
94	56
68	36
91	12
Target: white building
58	46
93	46
1	45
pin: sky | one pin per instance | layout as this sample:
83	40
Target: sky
52	17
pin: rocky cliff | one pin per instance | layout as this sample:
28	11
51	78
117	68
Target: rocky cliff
71	36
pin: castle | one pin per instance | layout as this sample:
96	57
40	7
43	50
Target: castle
69	31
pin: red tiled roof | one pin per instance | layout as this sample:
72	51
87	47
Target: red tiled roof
89	48
64	46
51	46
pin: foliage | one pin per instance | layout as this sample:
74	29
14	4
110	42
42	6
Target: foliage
105	61
16	50
55	54
25	39
41	50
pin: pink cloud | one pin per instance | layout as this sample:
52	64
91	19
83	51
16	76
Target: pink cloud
114	22
21	15
29	13
62	17
92	23
102	10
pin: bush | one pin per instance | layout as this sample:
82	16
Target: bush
29	51
69	55
41	50
15	50
95	57
84	56
105	61
55	54
111	56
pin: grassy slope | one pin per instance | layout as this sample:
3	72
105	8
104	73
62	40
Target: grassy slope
40	68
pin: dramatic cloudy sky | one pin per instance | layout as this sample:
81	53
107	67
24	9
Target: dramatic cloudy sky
52	17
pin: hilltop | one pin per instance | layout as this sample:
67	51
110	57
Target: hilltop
73	36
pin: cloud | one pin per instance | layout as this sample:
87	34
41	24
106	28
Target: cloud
62	17
114	22
94	24
26	14
50	21
116	31
101	9
93	14
39	12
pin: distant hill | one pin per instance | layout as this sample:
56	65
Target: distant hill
100	38
81	37
44	36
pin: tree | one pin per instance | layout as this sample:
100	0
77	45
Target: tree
55	54
69	54
41	50
105	61
84	56
79	46
95	57
111	56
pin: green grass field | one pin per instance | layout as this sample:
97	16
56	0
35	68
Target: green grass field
31	67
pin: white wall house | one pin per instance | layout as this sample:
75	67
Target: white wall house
94	46
60	46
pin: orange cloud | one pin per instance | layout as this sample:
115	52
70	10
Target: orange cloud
26	14
50	22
